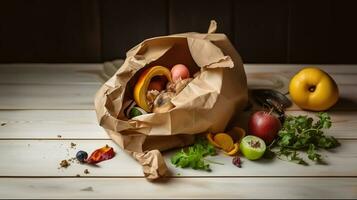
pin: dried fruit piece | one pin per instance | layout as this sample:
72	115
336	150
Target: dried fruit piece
210	140
234	150
104	153
237	161
224	141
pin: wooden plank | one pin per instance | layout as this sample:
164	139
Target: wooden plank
42	96
261	30
83	124
51	73
343	31
126	23
56	31
336	68
17	155
49	124
205	188
221	11
310	33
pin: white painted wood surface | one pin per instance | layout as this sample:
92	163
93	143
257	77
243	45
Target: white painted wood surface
16	155
38	102
191	188
69	124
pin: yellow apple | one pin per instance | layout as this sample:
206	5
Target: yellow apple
313	89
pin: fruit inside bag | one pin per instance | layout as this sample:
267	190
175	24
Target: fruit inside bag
151	104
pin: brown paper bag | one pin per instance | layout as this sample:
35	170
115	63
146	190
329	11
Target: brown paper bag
206	104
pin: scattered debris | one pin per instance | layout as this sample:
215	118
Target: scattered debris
73	145
82	156
99	155
3	123
59	136
64	163
89	189
86	171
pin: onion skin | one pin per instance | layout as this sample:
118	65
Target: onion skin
179	71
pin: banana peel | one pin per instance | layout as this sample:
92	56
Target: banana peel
143	82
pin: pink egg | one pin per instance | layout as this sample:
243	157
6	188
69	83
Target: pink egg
179	71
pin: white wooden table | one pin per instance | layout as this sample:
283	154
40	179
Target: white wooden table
39	102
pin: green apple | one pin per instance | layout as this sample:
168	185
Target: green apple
252	147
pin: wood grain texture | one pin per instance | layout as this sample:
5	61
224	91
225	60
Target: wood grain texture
18	155
42	124
49	31
311	31
191	188
126	23
83	124
39	73
51	96
73	86
344	31
261	30
195	16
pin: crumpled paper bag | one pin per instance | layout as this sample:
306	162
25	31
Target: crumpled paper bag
206	104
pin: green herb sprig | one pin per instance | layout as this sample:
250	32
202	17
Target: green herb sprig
194	155
300	133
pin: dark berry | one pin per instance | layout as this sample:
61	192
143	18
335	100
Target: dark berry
81	156
237	162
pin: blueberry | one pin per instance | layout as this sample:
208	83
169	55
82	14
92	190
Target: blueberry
81	156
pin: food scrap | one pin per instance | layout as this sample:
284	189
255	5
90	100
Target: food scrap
301	133
225	141
237	161
194	156
99	155
155	88
81	156
73	145
252	147
64	163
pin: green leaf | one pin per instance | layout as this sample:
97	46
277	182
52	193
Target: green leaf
193	156
300	133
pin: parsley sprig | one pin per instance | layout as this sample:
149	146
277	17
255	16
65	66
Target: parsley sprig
300	133
194	156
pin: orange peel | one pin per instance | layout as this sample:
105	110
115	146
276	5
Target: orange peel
210	140
234	151
225	141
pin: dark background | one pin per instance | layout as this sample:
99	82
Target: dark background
263	31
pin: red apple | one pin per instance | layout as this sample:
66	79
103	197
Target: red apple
264	125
